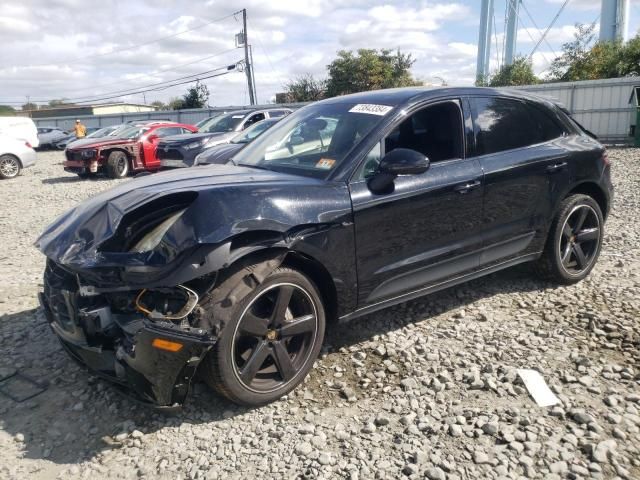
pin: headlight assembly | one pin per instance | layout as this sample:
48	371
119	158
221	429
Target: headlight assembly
196	144
153	238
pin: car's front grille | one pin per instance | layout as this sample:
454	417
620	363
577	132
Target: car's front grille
73	155
169	154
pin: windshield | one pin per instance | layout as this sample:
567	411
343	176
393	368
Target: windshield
222	123
102	132
132	132
253	131
206	121
314	140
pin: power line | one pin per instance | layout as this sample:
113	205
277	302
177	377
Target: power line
137	90
537	28
531	37
549	27
132	47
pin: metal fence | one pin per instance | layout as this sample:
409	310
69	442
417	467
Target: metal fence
191	116
601	106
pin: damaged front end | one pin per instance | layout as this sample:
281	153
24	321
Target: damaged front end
144	341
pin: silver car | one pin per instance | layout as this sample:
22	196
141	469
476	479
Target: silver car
49	135
228	125
14	156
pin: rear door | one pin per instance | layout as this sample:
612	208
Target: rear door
517	147
427	230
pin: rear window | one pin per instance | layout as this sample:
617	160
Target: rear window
506	124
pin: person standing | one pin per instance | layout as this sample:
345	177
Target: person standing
80	129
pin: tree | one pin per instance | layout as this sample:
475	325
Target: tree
176	103
369	69
520	72
7	111
59	103
196	97
305	88
160	105
29	106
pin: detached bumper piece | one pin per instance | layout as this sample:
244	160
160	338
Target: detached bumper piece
154	362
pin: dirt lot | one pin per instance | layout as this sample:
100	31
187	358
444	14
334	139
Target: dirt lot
427	389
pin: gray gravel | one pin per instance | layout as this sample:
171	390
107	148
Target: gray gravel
427	389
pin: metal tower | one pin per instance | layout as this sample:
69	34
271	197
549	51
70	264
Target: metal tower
512	31
614	20
484	41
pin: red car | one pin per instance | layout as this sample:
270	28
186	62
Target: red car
133	149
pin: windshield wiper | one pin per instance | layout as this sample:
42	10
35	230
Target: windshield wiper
259	167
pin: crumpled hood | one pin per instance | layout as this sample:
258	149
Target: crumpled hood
228	200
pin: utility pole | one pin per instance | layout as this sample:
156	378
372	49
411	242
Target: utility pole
253	75
484	42
614	20
247	60
512	31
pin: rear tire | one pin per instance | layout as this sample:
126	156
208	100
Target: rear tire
270	335
574	242
117	164
9	166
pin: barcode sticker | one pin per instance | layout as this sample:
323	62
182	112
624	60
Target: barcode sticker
371	109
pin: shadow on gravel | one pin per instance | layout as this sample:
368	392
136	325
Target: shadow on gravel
74	179
79	415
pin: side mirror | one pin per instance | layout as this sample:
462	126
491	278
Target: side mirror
403	161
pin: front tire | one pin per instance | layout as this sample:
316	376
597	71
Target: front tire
574	242
9	166
117	164
271	333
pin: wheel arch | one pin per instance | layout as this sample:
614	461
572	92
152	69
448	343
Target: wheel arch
107	151
593	190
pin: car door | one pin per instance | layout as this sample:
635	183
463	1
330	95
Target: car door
150	143
427	230
518	155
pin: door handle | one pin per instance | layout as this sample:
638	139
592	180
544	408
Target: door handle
556	167
467	186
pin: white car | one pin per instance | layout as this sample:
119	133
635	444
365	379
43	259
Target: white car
49	135
14	156
22	128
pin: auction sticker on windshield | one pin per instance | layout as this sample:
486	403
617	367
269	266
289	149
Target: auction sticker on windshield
371	109
325	163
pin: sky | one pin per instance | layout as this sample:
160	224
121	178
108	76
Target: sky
85	50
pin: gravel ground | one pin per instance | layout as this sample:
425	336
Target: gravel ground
427	389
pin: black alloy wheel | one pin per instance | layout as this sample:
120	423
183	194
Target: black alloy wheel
580	239
270	334
574	241
274	337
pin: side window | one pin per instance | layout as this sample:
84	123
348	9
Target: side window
184	130
505	124
254	119
276	113
549	128
167	131
435	131
371	162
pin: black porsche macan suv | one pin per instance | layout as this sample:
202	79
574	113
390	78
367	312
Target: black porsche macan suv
347	206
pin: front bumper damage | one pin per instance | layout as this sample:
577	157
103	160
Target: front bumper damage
153	361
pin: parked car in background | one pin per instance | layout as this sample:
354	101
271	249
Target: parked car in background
21	128
234	271
226	126
133	149
49	135
15	154
182	150
63	142
203	124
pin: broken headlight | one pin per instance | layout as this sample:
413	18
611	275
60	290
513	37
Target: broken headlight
153	238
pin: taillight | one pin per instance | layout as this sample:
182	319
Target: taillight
28	144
